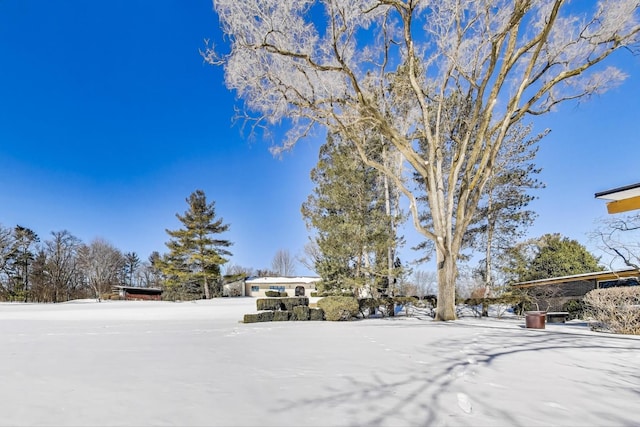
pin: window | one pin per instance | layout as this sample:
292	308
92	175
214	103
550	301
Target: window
630	281
255	288
276	288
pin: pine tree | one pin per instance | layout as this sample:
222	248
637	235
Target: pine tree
347	209
503	215
195	253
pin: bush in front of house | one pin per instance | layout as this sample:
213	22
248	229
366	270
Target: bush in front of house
265	316
615	310
337	308
368	306
281	316
275	294
575	308
300	312
285	304
272	304
316	314
291	302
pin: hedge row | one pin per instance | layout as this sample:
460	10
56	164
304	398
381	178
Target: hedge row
334	308
299	313
615	310
284	304
339	308
275	294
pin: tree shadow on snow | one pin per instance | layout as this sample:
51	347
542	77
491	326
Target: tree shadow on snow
444	389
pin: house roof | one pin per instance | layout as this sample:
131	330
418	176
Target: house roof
620	193
597	276
623	199
282	280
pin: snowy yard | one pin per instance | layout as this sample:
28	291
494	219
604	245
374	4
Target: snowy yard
193	363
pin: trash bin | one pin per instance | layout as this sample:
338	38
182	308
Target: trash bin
535	319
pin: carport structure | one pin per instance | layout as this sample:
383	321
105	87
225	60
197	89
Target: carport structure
622	199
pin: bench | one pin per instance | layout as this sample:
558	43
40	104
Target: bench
557	316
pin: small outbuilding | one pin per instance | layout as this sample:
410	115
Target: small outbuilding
133	293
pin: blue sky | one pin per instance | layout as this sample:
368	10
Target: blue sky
109	119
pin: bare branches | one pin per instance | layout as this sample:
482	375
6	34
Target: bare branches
620	238
441	81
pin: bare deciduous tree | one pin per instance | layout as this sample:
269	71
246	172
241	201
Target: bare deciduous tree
61	265
283	263
619	237
100	264
441	81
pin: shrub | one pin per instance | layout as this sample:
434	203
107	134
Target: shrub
300	312
268	304
368	306
272	294
285	304
265	316
614	309
338	308
281	316
291	302
283	294
316	314
575	308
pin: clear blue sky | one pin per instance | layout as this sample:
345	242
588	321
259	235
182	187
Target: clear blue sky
109	119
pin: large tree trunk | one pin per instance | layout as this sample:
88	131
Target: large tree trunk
207	294
447	272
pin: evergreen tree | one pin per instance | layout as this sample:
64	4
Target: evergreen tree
502	216
131	264
549	256
347	209
195	253
24	239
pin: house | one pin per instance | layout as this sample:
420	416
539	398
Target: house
554	292
135	293
257	286
234	289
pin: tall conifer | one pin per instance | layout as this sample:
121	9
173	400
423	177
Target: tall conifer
195	252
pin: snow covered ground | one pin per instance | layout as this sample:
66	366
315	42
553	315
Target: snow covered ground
193	363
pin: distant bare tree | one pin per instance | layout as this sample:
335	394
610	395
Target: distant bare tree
311	256
101	264
61	265
238	270
283	263
426	283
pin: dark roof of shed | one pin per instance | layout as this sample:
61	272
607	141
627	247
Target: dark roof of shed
137	288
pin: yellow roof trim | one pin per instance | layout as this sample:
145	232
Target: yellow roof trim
624	205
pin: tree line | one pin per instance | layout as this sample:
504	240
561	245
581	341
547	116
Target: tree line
62	267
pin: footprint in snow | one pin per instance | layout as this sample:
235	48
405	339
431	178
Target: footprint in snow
464	403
